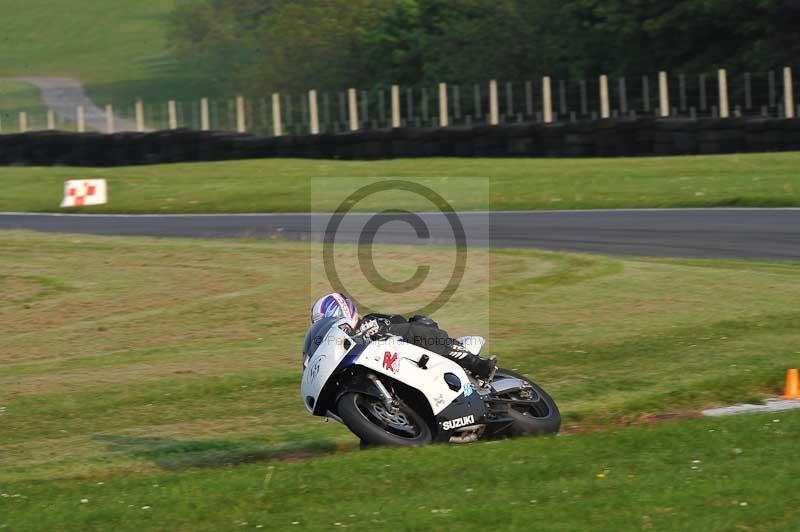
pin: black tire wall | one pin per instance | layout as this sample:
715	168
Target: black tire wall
601	138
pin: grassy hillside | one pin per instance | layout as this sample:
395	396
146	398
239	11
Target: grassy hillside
192	339
283	185
141	372
16	96
119	49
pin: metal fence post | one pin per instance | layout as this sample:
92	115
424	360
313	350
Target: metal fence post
772	90
509	100
682	91
456	102
748	92
477	101
562	97
703	98
364	116
409	106
584	99
529	98
623	96
381	108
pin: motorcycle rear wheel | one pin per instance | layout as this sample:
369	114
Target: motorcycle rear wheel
541	418
368	418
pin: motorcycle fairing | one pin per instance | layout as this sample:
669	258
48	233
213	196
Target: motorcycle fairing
334	348
462	407
379	357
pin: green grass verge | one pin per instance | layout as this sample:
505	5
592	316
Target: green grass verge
118	49
706	474
281	185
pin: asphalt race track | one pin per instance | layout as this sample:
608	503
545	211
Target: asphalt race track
772	234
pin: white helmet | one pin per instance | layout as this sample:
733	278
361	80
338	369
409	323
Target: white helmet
335	305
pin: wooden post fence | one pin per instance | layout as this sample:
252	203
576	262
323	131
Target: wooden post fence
277	123
81	120
494	111
444	119
139	115
722	77
547	100
313	112
352	100
173	115
663	94
241	125
395	106
788	96
605	106
109	119
205	123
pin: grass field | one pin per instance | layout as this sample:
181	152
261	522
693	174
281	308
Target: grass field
729	474
164	374
118	49
17	96
281	185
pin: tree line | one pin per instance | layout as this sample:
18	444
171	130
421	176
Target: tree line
257	46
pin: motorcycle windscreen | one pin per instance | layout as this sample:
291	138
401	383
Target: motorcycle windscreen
328	347
316	333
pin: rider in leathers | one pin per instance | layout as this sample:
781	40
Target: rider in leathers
418	330
424	332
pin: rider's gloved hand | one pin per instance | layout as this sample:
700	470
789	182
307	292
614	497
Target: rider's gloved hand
368	328
371	328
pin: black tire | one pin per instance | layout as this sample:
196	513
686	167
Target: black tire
356	410
543	418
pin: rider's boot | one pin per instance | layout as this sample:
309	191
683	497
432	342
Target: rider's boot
482	368
486	367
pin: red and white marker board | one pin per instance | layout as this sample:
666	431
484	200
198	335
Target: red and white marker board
80	192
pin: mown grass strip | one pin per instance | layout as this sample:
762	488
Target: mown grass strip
284	185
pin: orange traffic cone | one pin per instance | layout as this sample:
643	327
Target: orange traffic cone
792	390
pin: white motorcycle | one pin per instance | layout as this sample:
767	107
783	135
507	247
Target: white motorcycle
391	392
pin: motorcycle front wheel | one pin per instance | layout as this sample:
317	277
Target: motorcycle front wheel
370	419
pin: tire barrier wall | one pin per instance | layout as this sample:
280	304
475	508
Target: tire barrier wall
602	138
